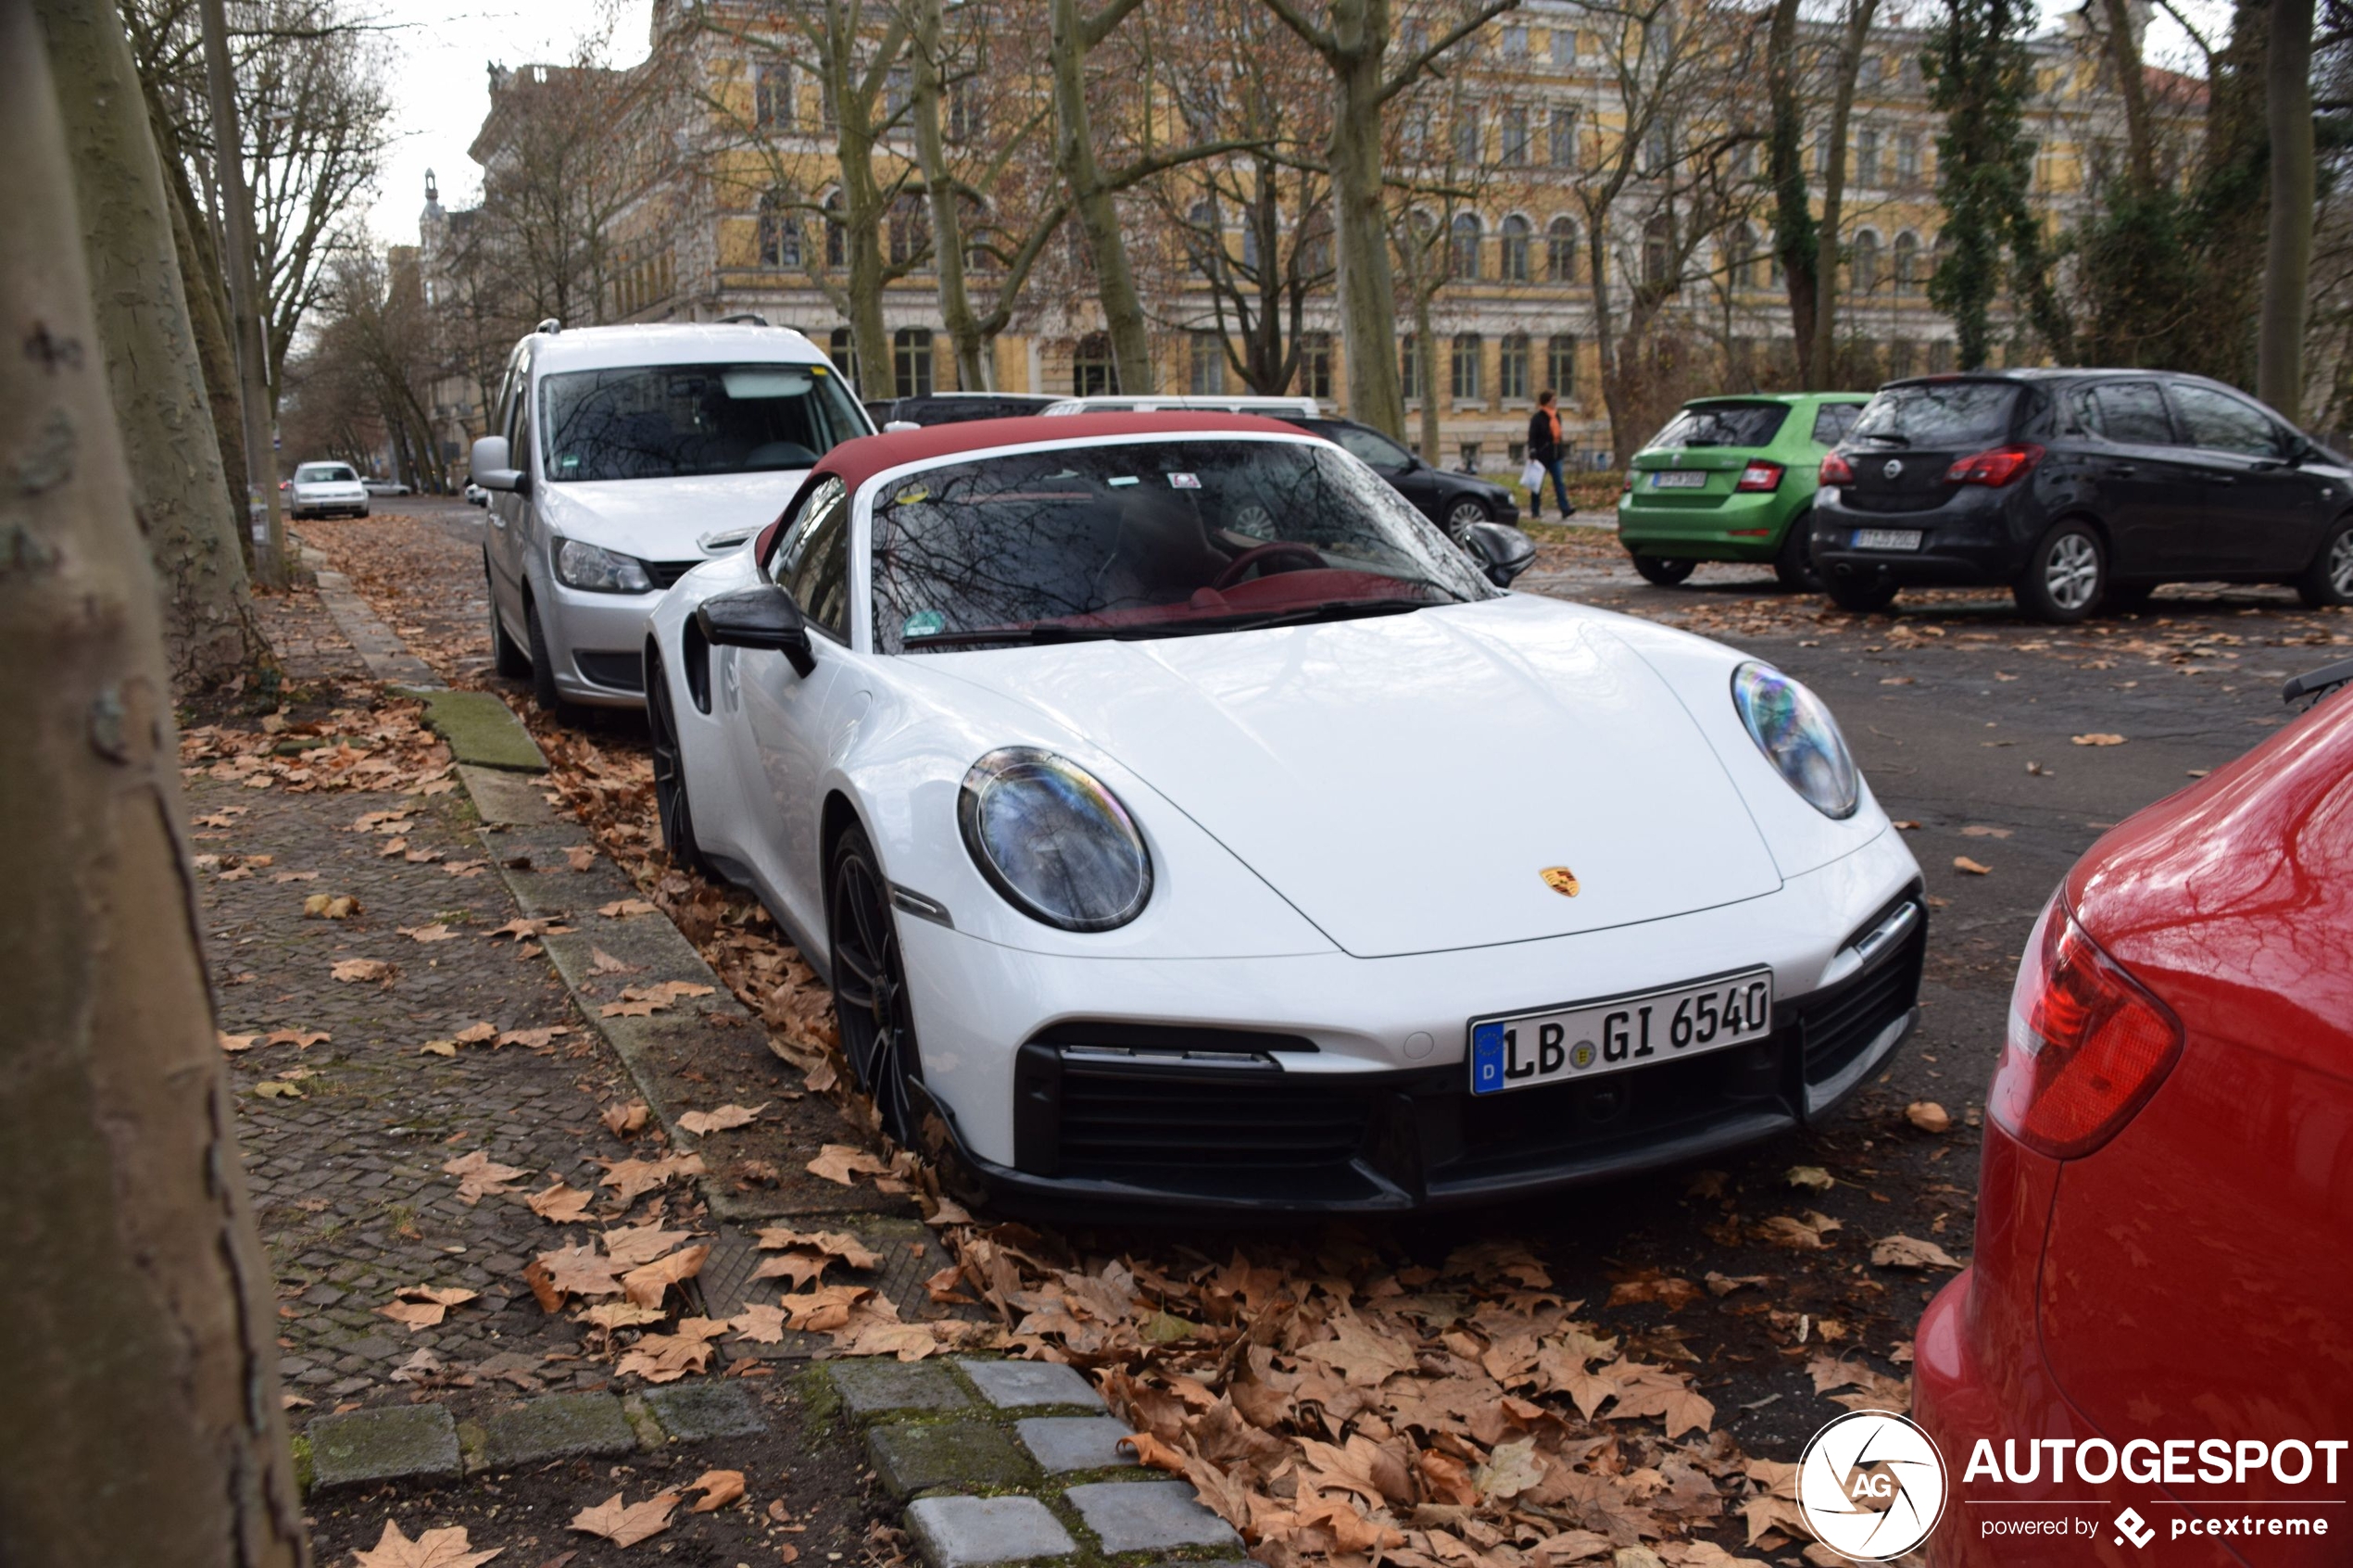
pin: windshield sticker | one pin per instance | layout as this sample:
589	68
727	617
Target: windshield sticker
925	623
1120	480
911	495
1184	481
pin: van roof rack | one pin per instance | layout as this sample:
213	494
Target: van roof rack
551	326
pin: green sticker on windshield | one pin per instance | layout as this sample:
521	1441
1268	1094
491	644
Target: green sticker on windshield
925	623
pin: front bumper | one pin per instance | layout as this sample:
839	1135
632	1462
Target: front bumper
597	641
1109	1116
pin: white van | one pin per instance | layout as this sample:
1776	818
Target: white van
622	457
1272	408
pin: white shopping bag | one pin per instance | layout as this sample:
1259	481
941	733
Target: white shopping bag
1531	476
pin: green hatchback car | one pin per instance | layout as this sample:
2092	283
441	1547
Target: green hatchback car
1732	479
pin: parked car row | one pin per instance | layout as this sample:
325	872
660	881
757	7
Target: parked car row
2080	491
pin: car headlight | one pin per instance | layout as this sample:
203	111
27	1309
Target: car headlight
1053	841
600	571
1799	737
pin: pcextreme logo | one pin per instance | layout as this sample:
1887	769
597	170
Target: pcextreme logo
1871	1485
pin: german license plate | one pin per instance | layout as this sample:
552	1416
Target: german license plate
1587	1039
1887	538
1677	479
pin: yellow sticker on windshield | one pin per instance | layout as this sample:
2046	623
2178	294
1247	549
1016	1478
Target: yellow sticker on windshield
910	495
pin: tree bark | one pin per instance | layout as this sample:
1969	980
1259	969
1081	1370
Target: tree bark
181	497
2287	259
2131	90
1091	200
145	1421
1360	225
956	312
1796	240
1829	247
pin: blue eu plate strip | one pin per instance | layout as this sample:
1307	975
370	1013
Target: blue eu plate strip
1487	1059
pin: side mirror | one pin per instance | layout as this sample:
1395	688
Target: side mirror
490	470
765	618
1499	550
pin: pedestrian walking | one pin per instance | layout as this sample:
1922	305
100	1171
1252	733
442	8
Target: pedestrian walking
1544	456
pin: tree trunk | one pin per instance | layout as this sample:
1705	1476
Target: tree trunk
2132	89
1830	249
1092	203
1360	225
145	1421
863	217
1796	241
181	496
2287	259
1425	351
947	217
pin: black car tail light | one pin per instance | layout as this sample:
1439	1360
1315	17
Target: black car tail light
1995	467
1837	471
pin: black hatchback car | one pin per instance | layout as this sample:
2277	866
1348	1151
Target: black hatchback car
2080	490
1449	499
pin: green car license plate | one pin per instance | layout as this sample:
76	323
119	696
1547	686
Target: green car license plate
1587	1039
1677	479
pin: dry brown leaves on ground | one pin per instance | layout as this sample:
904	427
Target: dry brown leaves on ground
479	1176
352	748
627	1524
435	1549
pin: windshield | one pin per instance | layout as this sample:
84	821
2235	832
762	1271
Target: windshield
1151	538
323	473
664	421
1952	413
1724	424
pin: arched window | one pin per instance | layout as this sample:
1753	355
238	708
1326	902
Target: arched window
910	232
1862	261
1511	369
1560	251
1468	347
979	255
837	237
772	96
1461	251
1739	258
1513	267
911	361
1907	263
1093	371
779	228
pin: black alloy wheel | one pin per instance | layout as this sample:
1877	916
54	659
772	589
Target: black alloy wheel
669	776
1664	570
870	986
2066	577
1794	562
2329	580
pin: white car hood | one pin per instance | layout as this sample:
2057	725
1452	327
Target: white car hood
663	519
1403	781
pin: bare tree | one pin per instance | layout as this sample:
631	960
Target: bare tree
210	634
142	1350
560	153
2287	259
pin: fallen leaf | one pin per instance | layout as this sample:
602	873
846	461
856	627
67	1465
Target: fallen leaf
1978	830
524	930
649	1283
277	1091
719	1487
436	932
1910	1252
479	1176
626	1121
762	1323
294	876
446	1547
422	1306
300	1039
1928	1116
1799	1235
325	906
531	1039
2096	738
234	1043
562	1204
627	1526
718	1119
1650	1286
583	857
476	1034
621	908
1907	825
602	962
353	972
1724	1284
632	1008
633	1177
1811	1177
438	1047
841	1163
665	1358
620	1314
573	1270
1963	863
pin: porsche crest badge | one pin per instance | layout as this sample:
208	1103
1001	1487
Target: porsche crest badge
1561	880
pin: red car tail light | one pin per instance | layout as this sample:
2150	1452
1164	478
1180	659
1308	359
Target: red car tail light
1760	475
1628	488
1836	471
2087	1045
1995	467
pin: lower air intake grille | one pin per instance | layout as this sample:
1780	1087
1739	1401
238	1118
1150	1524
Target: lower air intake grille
623	671
665	572
1117	1120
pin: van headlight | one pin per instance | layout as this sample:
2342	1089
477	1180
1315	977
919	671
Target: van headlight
1053	841
1797	735
600	571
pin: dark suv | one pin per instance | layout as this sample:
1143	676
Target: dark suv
2080	490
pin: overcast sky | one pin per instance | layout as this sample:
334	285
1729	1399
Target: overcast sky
440	90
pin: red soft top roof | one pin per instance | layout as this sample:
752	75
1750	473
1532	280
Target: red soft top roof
854	462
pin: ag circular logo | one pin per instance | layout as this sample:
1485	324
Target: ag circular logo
1871	1485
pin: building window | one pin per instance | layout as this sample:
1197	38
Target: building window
1564	47
844	353
1514	147
1409	368
1940	357
1093	371
1315	248
1907	159
1901	358
1560	251
1468	347
1315	365
1515	41
779	229
1513	257
1561	139
899	91
1863	261
967	118
1467	138
1560	363
911	361
910	232
1739	258
837	237
1867	159
771	105
1907	263
1656	273
1462	250
1511	369
1208	367
1468	452
1205	237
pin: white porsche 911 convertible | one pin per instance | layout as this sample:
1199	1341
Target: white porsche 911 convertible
1181	820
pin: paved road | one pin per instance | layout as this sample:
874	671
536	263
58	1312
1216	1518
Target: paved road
1963	717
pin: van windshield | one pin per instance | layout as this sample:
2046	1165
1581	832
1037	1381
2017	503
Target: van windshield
665	422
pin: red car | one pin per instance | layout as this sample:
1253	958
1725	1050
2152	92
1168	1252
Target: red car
2159	1313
